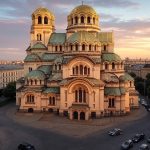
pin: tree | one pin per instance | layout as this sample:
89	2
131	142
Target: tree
132	74
10	90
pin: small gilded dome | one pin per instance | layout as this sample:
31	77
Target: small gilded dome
42	10
83	9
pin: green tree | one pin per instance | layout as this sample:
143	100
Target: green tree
10	90
132	74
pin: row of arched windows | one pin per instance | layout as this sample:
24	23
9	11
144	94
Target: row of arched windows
57	67
58	48
81	70
83	47
111	102
34	82
40	20
30	98
80	95
52	101
113	65
83	20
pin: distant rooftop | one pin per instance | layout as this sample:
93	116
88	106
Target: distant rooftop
11	67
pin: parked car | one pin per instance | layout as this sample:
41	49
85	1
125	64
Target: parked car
115	132
26	146
148	140
144	147
138	137
127	145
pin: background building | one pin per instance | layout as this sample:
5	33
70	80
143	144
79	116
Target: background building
10	73
76	74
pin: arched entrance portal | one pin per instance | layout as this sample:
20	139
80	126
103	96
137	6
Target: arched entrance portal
75	115
82	116
30	110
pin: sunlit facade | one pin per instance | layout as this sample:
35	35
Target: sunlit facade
74	74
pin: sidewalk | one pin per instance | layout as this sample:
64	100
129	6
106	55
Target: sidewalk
62	125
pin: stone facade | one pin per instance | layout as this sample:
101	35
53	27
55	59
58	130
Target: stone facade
75	74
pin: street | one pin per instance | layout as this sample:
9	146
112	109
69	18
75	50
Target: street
13	133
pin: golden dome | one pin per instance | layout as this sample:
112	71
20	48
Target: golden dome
85	9
42	10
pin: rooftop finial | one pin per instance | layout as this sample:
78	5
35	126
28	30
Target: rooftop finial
82	2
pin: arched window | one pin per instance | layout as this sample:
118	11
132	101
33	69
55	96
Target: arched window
60	48
56	48
88	20
71	47
130	84
40	82
83	47
95	47
81	70
30	99
53	101
90	47
111	102
80	95
77	70
73	71
39	37
76	95
76	47
39	20
85	70
113	65
84	96
72	21
88	71
55	67
45	20
106	66
82	19
76	20
35	82
59	66
105	47
93	20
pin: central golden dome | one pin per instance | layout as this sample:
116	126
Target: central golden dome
83	9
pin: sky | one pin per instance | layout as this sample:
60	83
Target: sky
129	20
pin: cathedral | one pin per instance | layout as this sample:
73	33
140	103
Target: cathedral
74	74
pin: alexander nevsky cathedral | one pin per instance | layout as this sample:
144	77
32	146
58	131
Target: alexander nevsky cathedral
74	74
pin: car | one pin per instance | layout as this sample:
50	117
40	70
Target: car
148	140
26	146
138	137
144	103
127	145
144	147
115	132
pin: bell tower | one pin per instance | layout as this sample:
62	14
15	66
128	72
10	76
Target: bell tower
43	24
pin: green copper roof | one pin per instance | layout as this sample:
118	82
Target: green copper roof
49	57
39	45
126	77
56	77
105	37
110	57
82	36
57	38
108	77
55	90
36	74
114	91
32	58
58	60
46	69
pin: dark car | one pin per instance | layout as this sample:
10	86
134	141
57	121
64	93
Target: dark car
138	137
144	147
26	146
127	145
148	140
115	131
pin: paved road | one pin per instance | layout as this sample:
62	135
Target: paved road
13	133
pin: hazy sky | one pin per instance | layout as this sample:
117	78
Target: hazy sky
129	19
